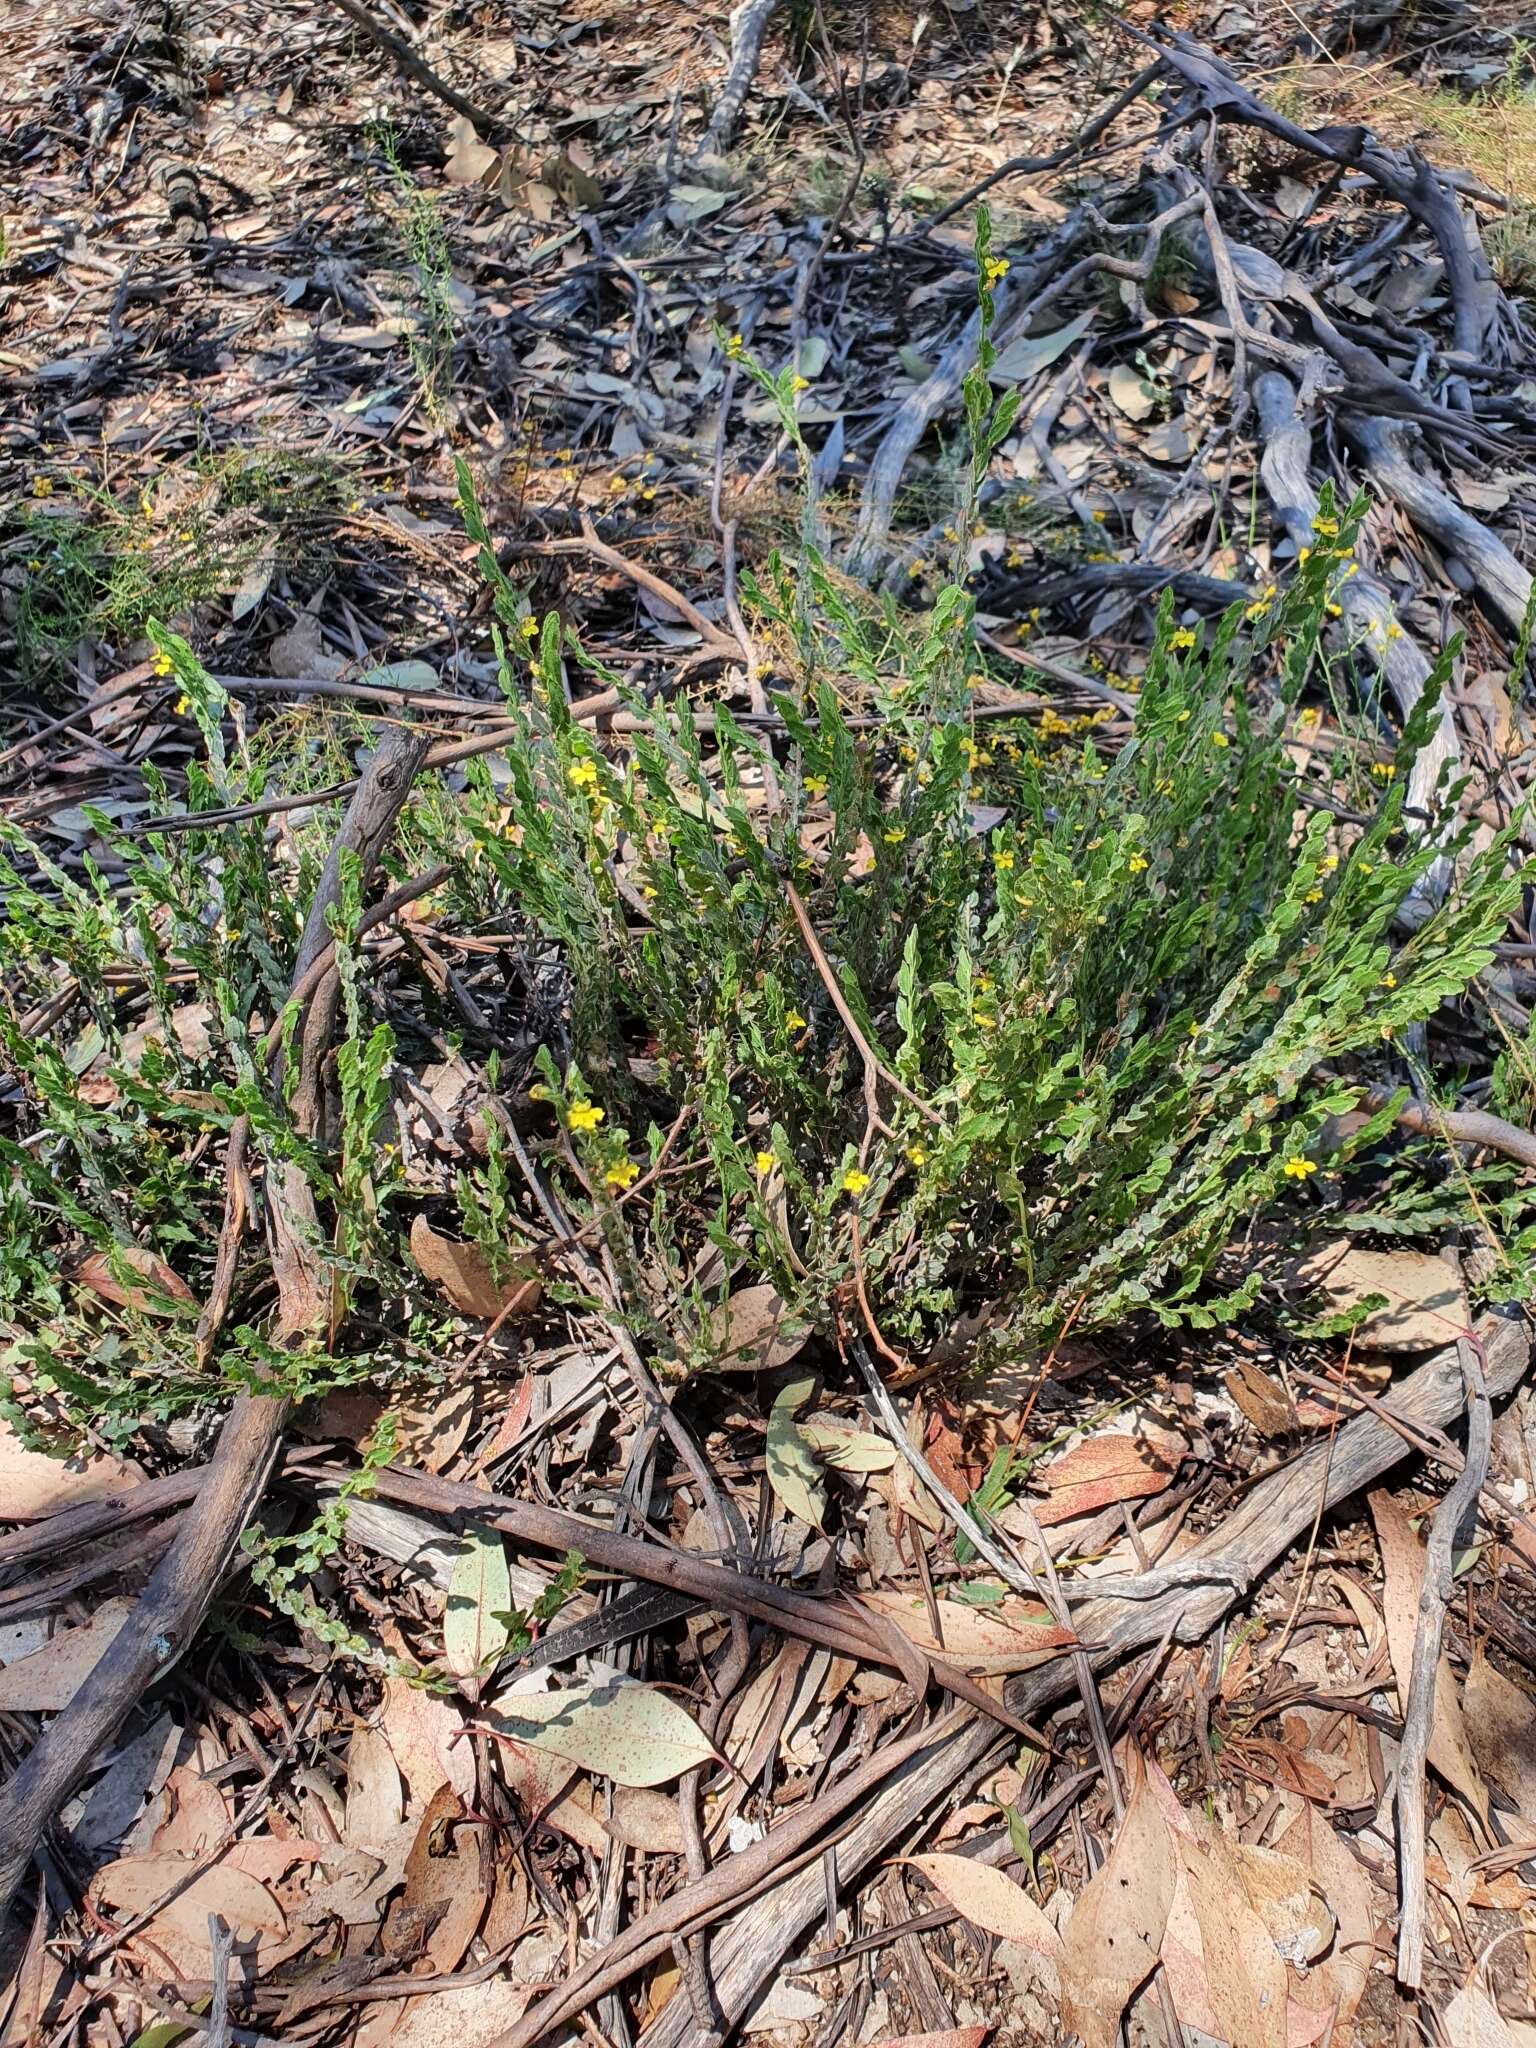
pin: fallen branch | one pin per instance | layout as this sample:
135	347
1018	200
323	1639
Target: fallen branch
1368	611
1282	1507
414	66
167	1615
749	24
1435	1591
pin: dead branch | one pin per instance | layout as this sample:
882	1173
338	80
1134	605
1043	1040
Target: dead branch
167	1615
749	24
414	65
1419	1707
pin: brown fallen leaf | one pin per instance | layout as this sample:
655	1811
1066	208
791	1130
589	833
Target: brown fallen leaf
755	1332
1262	1399
33	1484
1425	1305
990	1899
647	1819
1112	1940
1113	1465
1402	1563
1010	1636
469	159
444	1892
1339	1978
462	1273
946	2037
1244	1978
1472	2020
138	1884
1501	1723
161	1293
46	1681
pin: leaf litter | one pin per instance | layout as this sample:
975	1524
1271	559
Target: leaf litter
330	262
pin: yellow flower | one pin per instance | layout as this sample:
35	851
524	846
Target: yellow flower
797	384
1334	611
794	1021
1310	716
734	346
161	665
765	1162
1002	862
1298	1169
1184	637
918	1154
42	487
584	1116
1384	770
854	1182
1394	631
1194	1028
1330	862
916	568
582	774
1386	1030
1304	555
895	835
183	706
950	533
815	785
529	628
34	565
995	268
985	1021
1388	981
1366	867
1138	863
623	1174
1328	527
618	483
1219	739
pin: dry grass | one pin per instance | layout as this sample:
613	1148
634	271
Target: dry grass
1493	135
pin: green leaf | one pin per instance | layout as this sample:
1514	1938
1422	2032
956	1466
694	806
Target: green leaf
479	1597
793	1472
613	1727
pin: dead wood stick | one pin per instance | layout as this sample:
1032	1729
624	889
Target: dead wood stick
1435	1591
171	1607
728	1885
838	1628
1012	303
591	544
1277	1511
414	65
749	23
1384	444
1461	1126
1367	607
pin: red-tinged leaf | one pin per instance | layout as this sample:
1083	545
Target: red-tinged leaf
1113	1466
106	1274
1111	1943
991	1900
946	2037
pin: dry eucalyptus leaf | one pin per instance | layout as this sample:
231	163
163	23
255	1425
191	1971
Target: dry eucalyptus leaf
755	1332
161	1291
1009	1635
614	1727
1425	1305
990	1899
1501	1721
793	1471
475	1627
46	1681
1130	392
1113	1465
469	159
33	1484
1402	1563
1112	1940
463	1274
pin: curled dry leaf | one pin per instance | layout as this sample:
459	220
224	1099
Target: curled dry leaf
462	1273
614	1727
754	1332
1402	1563
1010	1636
1113	1465
163	1292
1112	1940
1424	1302
990	1899
469	159
1337	1981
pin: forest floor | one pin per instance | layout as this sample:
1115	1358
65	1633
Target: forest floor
583	1675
